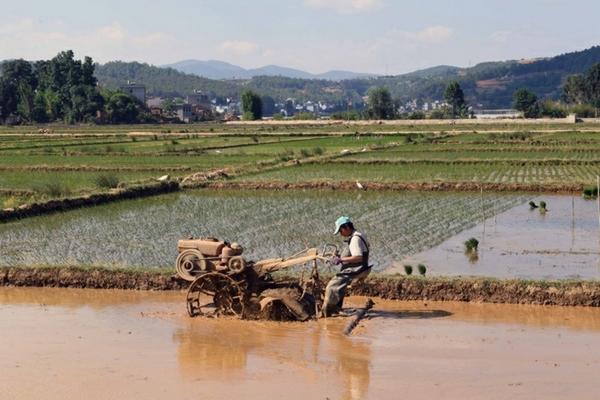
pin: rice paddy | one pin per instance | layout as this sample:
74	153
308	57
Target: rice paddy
144	233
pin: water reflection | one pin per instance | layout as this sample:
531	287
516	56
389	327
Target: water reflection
226	350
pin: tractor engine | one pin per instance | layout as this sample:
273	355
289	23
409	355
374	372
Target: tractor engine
197	256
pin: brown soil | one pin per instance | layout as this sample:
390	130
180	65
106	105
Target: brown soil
481	290
404	186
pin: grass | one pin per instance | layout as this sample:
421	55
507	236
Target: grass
77	157
45	182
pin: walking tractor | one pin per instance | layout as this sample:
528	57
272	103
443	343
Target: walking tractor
224	283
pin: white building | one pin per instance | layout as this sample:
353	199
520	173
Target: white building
135	90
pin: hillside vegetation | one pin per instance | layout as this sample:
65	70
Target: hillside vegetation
490	84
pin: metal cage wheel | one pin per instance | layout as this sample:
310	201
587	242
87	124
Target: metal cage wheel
189	264
215	294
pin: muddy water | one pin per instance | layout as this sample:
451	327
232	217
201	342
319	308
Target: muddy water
61	344
563	243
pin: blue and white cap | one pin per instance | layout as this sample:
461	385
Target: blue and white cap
339	222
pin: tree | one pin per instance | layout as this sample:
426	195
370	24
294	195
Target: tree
268	106
455	97
593	85
574	90
122	108
380	103
17	85
39	113
251	105
526	101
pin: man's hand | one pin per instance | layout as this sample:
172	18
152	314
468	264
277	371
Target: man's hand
335	260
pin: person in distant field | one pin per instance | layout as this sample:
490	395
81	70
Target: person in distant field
354	262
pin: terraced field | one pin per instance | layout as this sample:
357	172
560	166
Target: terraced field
74	160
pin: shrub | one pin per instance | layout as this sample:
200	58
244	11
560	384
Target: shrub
318	151
107	181
422	269
590	192
408	269
53	189
11	202
305	153
417	115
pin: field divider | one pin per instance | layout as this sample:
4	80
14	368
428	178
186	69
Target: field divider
573	188
51	206
461	289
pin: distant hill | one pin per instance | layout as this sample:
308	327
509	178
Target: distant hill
213	69
489	85
161	81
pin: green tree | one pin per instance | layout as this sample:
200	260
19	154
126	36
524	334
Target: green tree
17	89
526	101
574	90
593	85
455	97
268	106
40	108
380	103
251	105
122	108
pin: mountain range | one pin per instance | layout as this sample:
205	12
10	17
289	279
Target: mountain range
486	85
214	69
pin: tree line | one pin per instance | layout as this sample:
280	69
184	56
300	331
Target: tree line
62	89
580	96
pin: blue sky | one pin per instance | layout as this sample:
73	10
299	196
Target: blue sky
379	36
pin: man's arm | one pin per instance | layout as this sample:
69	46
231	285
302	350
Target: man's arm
351	259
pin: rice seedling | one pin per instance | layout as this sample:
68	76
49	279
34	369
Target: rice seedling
543	207
590	192
472	245
144	232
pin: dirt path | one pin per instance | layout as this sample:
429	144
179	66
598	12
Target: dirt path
94	344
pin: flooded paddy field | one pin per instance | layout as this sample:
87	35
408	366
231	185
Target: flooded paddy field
144	233
115	344
563	243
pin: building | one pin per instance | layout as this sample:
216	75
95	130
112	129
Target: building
135	90
183	112
198	98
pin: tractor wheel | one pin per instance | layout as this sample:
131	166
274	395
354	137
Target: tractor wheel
215	294
189	264
236	264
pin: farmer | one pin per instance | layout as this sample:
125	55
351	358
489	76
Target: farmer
354	262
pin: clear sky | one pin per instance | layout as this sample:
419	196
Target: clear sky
377	36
